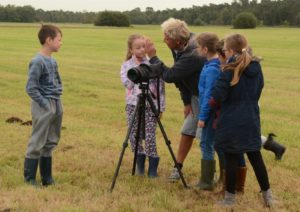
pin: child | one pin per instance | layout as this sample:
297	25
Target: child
268	143
136	55
44	88
242	169
209	74
238	128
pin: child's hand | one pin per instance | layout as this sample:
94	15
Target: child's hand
201	124
213	104
47	107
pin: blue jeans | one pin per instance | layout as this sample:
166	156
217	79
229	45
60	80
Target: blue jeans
207	140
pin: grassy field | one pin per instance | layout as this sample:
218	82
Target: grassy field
95	126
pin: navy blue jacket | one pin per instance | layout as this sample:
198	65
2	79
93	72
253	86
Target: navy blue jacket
238	127
185	71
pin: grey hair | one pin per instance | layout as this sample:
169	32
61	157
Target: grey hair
176	29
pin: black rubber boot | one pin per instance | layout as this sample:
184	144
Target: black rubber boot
46	171
208	168
153	164
30	168
140	164
274	146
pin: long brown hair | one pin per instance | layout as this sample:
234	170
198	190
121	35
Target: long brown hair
130	41
238	44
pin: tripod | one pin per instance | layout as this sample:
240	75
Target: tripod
140	111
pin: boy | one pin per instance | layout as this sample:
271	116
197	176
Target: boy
44	88
209	74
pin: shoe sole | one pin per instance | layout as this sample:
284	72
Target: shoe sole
173	179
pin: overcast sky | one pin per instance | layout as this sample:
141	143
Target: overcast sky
100	5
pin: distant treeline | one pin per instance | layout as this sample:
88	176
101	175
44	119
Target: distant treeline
268	12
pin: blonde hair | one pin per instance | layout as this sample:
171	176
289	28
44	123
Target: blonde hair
176	29
130	41
238	44
220	50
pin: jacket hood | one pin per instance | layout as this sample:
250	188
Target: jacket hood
191	48
213	63
252	69
192	43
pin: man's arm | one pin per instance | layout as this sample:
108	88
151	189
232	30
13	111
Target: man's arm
182	69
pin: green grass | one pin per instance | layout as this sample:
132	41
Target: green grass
95	125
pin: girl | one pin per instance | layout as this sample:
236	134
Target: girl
209	74
241	169
268	143
136	55
238	129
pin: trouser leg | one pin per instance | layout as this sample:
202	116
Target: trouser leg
150	130
260	170
132	137
231	169
41	119
54	130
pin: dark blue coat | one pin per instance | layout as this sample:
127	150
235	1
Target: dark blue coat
238	126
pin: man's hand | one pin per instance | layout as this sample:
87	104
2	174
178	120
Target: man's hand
187	110
150	48
201	124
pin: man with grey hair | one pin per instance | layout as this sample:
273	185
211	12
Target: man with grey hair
185	75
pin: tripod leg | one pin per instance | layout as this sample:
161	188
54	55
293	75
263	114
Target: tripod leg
125	144
167	141
140	124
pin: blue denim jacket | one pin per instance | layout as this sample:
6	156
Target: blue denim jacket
44	81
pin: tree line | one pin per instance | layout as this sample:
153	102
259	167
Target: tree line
267	12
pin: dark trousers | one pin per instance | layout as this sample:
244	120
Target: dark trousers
258	165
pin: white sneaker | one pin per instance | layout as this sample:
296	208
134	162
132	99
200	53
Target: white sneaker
174	176
228	201
268	198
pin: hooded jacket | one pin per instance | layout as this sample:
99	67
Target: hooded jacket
238	127
209	74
